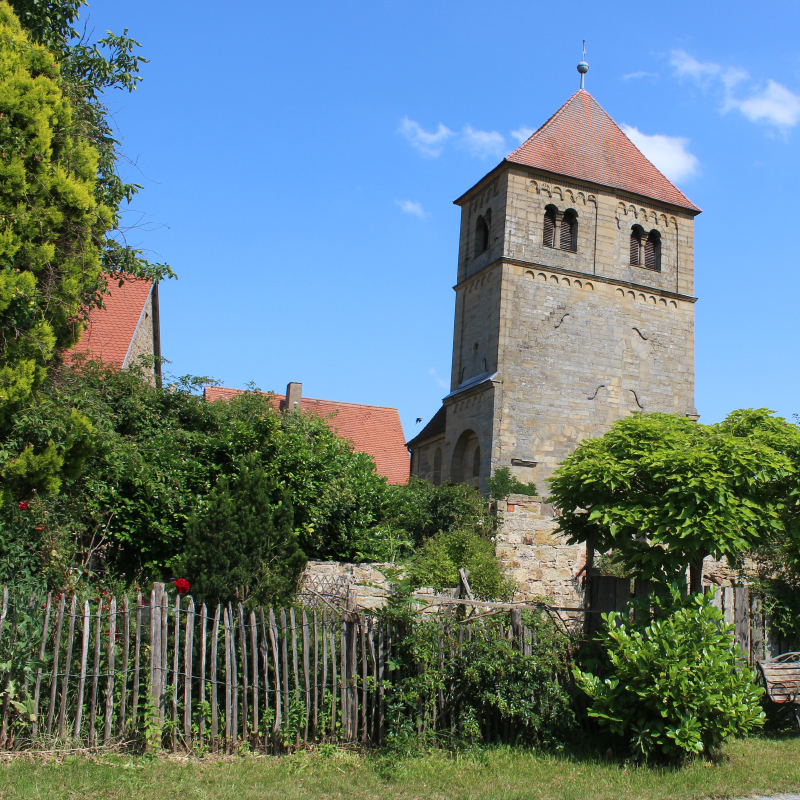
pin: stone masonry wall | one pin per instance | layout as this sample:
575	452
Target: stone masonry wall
538	559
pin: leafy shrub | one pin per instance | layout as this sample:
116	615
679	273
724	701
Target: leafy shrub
503	483
422	509
440	558
675	685
156	453
500	694
241	545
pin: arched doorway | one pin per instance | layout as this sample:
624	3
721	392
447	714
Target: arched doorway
465	467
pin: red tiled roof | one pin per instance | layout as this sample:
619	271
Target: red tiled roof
374	430
110	330
581	141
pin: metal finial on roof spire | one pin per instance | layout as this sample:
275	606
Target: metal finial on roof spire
583	67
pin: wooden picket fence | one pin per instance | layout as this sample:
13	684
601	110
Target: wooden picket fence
200	678
174	676
168	674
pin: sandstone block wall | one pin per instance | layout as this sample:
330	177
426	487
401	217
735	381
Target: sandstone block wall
571	340
332	580
539	560
541	563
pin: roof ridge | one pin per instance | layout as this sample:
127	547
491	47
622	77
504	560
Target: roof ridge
614	123
304	399
582	141
547	122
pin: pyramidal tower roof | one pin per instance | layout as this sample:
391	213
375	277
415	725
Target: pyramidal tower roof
582	141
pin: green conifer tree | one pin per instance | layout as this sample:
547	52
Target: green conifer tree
242	545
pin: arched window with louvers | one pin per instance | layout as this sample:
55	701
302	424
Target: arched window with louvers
636	247
482	232
548	238
568	233
652	251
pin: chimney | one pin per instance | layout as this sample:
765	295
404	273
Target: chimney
294	396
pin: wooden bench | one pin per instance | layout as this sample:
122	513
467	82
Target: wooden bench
782	680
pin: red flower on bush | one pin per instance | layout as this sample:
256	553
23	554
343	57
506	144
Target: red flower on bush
23	505
182	585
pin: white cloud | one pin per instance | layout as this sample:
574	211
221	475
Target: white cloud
688	67
774	104
442	383
522	134
639	74
429	144
480	144
483	143
668	153
412	207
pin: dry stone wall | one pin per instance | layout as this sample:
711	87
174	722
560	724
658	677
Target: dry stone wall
539	560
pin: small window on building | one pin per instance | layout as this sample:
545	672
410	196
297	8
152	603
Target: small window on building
482	233
568	238
636	245
476	462
652	251
437	467
549	226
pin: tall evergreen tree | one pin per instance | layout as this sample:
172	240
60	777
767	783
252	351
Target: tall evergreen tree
242	545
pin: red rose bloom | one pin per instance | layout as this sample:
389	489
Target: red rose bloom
182	585
23	506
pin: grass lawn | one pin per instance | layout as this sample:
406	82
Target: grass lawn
758	765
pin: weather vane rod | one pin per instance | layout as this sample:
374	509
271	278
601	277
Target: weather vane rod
583	67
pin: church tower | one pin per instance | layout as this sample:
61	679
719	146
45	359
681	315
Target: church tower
574	303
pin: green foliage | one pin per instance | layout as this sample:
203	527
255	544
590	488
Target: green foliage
501	693
61	205
439	559
241	545
664	491
19	641
152	457
676	686
422	509
53	225
503	483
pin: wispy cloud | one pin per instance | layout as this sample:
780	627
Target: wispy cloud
640	74
480	144
483	143
429	144
440	381
669	153
688	67
771	103
412	207
774	104
522	134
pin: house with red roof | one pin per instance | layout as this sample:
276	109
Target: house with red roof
574	303
375	430
126	327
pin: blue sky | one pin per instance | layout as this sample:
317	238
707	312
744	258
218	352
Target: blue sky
300	163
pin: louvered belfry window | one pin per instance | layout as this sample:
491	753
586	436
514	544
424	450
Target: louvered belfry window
566	237
635	242
549	227
652	252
